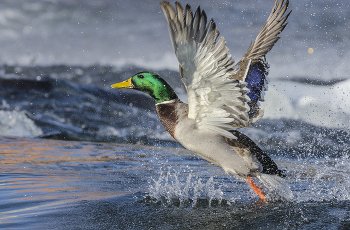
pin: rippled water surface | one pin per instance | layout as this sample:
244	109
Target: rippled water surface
79	185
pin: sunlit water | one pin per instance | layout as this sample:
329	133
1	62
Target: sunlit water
49	184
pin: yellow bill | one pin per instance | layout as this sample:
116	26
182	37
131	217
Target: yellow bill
123	85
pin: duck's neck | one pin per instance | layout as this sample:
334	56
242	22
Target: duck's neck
159	90
168	114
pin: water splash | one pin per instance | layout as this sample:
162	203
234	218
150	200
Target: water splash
310	180
324	179
172	188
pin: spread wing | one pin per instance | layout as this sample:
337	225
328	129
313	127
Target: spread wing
253	66
216	101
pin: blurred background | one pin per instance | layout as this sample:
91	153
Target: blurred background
309	65
120	33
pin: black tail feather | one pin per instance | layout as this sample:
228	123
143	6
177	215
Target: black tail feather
268	165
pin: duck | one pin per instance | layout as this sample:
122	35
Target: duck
223	96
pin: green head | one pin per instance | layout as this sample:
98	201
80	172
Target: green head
149	83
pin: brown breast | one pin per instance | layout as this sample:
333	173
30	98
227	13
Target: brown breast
168	115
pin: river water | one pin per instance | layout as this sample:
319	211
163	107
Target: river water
75	154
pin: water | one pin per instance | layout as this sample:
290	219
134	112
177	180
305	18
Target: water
79	185
76	154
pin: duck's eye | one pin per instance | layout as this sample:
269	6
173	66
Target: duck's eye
141	76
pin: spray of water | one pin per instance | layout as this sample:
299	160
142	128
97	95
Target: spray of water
321	180
173	189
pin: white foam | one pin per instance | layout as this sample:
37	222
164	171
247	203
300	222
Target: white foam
13	123
327	106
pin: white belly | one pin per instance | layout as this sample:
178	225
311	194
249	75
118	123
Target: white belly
212	147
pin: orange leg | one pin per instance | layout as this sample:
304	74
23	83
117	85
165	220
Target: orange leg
256	189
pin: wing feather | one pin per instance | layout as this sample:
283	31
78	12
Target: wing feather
217	91
216	102
253	65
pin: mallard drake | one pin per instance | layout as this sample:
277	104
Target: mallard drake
222	96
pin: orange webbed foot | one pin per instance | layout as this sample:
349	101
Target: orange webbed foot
256	189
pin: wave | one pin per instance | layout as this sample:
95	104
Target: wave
77	103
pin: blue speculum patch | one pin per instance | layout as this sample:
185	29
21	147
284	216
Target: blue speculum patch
256	81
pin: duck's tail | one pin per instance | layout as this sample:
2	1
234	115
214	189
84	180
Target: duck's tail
276	185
